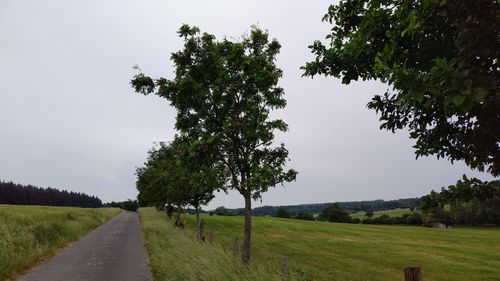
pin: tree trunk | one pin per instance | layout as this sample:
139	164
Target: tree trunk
197	211
198	225
247	234
178	219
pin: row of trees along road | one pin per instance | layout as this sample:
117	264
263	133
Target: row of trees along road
178	174
440	58
224	92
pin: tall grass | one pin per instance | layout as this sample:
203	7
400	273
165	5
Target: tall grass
30	233
175	254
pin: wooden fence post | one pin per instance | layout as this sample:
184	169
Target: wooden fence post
211	236
235	247
183	222
413	274
201	228
285	268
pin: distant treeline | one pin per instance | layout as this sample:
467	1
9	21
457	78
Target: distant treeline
353	206
17	194
334	213
129	205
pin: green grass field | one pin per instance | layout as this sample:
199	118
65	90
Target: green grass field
28	234
391	213
333	251
175	254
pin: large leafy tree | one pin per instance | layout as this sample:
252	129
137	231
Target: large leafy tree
441	59
224	92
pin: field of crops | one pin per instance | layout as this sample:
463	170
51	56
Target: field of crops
334	251
30	233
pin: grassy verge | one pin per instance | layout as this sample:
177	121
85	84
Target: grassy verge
333	251
175	254
30	233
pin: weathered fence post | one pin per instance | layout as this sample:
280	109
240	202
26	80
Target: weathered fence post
413	274
184	221
177	221
211	236
235	247
285	268
201	230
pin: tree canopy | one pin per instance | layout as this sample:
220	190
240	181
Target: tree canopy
441	60
178	174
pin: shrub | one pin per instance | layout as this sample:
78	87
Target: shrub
356	220
304	216
283	213
335	214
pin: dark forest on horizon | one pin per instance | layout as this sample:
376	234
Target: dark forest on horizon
18	194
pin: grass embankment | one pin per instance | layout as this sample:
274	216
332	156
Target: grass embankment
399	212
175	254
333	251
30	233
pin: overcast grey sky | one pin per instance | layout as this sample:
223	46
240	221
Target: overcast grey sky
69	119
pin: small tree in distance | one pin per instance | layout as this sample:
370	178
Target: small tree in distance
224	92
304	216
335	214
222	211
283	213
369	213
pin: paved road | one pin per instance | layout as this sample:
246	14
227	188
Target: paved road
112	252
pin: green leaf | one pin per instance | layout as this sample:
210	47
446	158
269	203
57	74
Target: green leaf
418	97
458	100
479	94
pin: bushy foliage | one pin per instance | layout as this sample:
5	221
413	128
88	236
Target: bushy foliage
129	205
223	211
355	220
283	213
469	202
335	214
178	173
304	216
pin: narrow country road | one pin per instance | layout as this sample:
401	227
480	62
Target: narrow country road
112	252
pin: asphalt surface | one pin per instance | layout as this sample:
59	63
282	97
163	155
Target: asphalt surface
112	252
